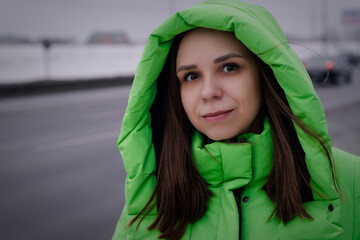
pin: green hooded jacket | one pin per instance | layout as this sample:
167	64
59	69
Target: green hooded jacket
226	167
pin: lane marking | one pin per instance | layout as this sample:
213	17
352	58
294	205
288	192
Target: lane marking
76	141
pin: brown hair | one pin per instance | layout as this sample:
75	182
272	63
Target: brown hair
181	193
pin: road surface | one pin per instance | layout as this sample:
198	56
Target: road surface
61	174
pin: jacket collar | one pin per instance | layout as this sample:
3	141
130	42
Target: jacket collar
235	164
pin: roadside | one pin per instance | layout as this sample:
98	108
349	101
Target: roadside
333	97
52	86
344	127
342	110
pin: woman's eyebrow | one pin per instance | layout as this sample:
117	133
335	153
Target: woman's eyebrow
217	60
227	56
186	67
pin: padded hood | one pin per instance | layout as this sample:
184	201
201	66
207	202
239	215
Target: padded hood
260	33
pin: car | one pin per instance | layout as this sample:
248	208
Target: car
108	38
351	58
333	70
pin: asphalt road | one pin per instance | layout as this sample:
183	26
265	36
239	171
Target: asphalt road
61	175
342	109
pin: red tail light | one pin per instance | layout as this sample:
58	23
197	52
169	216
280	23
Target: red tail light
329	65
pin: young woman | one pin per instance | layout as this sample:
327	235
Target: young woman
225	138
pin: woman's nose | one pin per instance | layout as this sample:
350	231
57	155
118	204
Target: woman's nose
211	89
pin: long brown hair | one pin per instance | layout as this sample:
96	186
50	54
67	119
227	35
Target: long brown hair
181	194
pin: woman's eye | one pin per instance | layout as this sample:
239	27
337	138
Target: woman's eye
230	67
191	77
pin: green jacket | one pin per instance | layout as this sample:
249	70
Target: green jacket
245	165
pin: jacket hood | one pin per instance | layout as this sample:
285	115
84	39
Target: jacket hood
259	32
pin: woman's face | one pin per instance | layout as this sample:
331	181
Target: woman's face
219	83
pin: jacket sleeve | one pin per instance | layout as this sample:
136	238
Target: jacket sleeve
140	165
139	161
135	140
348	173
134	232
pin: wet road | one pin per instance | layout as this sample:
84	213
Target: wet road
342	109
61	175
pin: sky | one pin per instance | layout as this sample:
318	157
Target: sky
77	19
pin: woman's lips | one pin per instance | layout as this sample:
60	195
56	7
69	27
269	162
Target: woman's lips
217	116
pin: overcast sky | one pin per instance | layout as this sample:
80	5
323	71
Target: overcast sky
77	19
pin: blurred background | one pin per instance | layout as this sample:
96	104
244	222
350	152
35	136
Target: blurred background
65	72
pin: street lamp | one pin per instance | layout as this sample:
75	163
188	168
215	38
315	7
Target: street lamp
46	43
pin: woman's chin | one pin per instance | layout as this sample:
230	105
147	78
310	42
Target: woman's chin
220	136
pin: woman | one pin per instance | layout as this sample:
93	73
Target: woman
225	138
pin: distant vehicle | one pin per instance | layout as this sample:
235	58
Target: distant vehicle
339	69
108	38
350	58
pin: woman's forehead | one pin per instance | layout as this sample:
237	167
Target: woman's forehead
211	42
